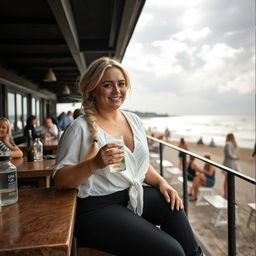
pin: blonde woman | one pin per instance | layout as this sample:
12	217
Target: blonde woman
6	140
231	155
115	212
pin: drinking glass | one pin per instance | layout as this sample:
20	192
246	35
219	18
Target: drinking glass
120	166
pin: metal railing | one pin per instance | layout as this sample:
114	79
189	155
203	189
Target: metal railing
231	187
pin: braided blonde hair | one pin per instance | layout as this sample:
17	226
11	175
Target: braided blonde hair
88	82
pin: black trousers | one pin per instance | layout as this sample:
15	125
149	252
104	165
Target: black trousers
105	223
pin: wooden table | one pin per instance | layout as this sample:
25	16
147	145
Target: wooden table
41	171
40	223
47	144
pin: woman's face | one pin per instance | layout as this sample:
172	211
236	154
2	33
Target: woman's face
3	129
34	121
111	91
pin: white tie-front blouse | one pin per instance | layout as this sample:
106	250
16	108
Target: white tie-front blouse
75	144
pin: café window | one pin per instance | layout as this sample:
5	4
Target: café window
11	109
36	110
19	123
25	110
20	106
33	106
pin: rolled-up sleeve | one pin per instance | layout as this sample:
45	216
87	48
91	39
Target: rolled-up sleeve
73	146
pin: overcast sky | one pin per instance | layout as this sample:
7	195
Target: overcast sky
192	57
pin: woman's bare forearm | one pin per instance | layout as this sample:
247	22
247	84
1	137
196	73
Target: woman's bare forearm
71	176
15	152
153	178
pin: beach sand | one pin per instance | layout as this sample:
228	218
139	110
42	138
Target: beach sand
203	218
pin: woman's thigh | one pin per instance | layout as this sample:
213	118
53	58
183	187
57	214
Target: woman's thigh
173	222
118	230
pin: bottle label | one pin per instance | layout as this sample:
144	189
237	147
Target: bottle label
7	180
8	188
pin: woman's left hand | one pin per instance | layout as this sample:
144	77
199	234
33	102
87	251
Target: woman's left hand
171	196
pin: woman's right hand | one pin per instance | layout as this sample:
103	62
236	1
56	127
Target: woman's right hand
108	154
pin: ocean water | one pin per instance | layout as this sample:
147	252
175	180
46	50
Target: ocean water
207	127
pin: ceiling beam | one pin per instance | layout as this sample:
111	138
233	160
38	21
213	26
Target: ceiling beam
63	13
95	45
114	23
44	65
31	42
56	69
39	55
131	13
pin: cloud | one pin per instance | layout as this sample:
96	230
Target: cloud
191	34
172	62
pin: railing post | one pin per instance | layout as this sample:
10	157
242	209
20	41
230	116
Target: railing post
161	158
231	215
185	184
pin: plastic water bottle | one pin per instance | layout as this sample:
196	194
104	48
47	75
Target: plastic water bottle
38	150
8	180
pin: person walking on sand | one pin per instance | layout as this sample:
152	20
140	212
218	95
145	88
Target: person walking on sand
182	144
167	134
231	155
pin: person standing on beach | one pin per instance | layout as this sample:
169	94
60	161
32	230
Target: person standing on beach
183	145
231	155
167	134
115	212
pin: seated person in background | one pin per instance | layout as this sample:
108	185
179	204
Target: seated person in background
6	140
212	144
50	130
154	145
200	141
31	122
205	177
191	168
77	113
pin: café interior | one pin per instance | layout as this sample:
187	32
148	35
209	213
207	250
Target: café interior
44	47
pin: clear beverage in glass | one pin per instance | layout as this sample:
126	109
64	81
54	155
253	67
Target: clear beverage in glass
117	167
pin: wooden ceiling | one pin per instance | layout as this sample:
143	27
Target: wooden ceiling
64	35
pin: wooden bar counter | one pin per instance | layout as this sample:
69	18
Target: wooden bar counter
40	223
47	144
37	170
